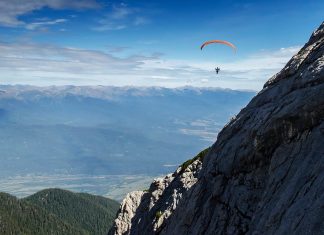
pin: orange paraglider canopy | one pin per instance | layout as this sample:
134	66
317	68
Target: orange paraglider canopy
218	41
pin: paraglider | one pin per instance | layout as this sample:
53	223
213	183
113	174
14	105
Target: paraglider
218	41
221	42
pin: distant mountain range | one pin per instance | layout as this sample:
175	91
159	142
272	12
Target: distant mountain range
99	130
56	211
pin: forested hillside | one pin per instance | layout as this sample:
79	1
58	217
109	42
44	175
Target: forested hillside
56	211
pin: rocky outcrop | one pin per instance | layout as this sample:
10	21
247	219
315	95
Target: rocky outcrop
127	212
145	211
264	174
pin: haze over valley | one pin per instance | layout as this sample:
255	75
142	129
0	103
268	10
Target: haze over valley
105	140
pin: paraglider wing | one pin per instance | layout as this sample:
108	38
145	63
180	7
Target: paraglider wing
218	41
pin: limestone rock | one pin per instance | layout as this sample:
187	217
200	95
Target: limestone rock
145	211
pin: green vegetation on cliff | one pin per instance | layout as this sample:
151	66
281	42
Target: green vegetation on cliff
199	156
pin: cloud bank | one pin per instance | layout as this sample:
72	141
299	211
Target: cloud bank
38	64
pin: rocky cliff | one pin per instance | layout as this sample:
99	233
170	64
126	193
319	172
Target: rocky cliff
264	174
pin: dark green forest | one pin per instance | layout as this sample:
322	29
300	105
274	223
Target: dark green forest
56	211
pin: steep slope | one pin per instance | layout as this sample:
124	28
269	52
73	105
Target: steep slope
151	207
264	174
20	217
90	213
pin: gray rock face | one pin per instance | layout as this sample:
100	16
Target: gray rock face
264	174
146	212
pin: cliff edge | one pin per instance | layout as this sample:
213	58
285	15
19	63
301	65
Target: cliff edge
264	174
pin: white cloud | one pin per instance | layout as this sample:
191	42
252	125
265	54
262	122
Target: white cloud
248	73
10	11
107	26
51	65
36	25
116	49
140	20
121	12
120	17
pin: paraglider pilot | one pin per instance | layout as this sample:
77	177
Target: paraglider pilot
221	42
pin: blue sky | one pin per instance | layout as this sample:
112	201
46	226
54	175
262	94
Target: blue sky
151	43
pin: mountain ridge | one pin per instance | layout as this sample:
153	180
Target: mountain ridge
102	92
83	135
